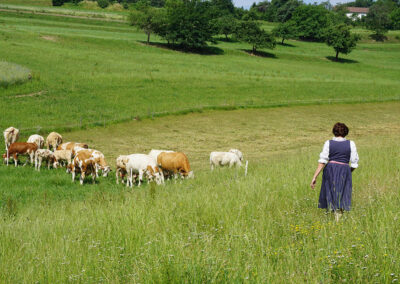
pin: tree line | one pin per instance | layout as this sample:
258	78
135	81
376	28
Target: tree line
190	24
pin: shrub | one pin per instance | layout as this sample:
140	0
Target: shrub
11	74
102	3
250	32
57	2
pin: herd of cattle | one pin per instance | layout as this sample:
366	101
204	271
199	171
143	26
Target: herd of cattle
79	159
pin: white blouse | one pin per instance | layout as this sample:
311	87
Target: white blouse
324	156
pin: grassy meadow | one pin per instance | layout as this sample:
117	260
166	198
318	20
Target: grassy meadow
94	71
221	226
96	82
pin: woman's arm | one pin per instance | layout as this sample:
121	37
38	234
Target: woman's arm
316	174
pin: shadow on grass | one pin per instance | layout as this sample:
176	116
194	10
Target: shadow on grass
207	50
285	44
260	53
223	39
341	60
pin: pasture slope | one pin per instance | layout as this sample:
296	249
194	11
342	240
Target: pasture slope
220	226
94	72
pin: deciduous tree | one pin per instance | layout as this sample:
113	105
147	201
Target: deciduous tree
250	32
341	39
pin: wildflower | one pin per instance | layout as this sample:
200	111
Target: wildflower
385	254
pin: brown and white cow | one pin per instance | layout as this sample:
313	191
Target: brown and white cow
98	158
175	163
37	139
20	148
73	146
53	140
83	165
46	155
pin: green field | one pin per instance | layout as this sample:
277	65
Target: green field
96	82
219	226
91	71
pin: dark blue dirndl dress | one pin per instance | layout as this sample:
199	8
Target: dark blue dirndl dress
336	185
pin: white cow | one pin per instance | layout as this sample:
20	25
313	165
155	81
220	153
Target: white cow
37	139
43	154
11	135
143	164
62	155
224	159
154	153
238	153
53	140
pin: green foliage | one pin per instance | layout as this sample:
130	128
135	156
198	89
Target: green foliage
341	39
378	19
57	2
276	10
251	33
220	8
311	22
285	31
225	25
148	19
187	23
395	19
103	3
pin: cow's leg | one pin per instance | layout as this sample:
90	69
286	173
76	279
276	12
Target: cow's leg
73	174
82	177
117	175
8	154
140	176
39	164
93	178
15	156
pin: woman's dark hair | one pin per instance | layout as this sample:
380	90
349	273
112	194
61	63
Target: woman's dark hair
340	129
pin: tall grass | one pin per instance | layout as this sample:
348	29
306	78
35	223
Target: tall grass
11	74
218	227
124	78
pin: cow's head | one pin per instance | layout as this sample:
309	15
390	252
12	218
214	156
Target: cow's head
190	174
105	170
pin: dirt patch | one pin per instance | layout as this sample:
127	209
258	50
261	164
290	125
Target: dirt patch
50	38
29	95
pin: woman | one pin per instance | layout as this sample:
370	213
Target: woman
336	185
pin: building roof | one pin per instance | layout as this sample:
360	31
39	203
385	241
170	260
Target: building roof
358	10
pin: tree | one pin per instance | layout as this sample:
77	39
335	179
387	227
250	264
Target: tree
225	25
285	31
340	38
250	32
378	19
311	22
146	18
285	12
395	18
188	23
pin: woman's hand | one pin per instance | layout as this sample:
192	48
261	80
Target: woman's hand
313	182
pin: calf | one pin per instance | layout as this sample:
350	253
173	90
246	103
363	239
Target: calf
224	159
20	148
175	163
121	167
142	164
62	156
43	154
37	139
98	158
84	166
53	140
